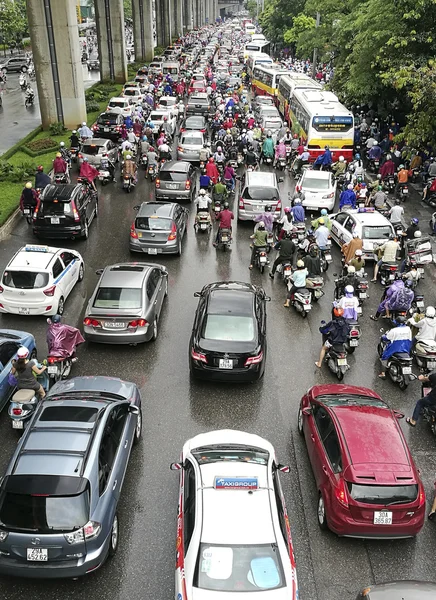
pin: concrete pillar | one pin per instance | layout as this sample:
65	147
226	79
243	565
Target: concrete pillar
164	22
179	9
195	13
56	53
109	19
143	29
187	15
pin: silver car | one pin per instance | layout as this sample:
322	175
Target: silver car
94	148
159	228
190	144
126	304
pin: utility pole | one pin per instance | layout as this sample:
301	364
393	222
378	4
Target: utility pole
315	50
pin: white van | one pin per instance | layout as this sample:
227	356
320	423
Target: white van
250	28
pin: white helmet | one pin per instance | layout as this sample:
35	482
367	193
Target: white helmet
351	269
417	234
74	131
341	159
23	352
375	143
129	157
430	312
84	124
62	144
202	192
349	289
261	224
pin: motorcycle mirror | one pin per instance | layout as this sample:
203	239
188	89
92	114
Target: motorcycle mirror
322	322
137	207
413	377
197	294
398	414
307	411
382	330
281	179
267	298
335	274
284	468
176	466
99	271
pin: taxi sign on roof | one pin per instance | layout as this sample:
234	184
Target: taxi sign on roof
30	248
235	483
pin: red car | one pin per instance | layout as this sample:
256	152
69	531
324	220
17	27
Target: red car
368	484
197	86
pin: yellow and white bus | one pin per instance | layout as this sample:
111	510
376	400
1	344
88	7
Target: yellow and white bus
258	58
316	116
265	79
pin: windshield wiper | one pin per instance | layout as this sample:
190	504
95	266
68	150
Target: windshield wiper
404	501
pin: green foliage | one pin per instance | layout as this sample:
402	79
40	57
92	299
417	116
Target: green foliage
57	128
42	144
127	9
16	173
300	24
252	8
92	106
13	20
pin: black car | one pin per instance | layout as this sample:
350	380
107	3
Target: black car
228	341
399	590
93	65
108	126
65	211
194	123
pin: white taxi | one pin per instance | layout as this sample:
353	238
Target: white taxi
38	279
371	226
233	531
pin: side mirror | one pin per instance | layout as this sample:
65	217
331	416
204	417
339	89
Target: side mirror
335	274
137	207
281	179
284	468
197	294
382	330
176	466
307	411
322	322
134	410
99	271
267	298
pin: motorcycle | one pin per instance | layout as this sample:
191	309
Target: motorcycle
217	207
104	176
151	172
61	178
336	359
281	163
326	256
203	222
23	82
127	183
30	98
388	273
424	353
353	337
315	285
62	341
74	152
144	160
224	238
301	301
403	192
261	258
28	214
374	165
390	183
399	365
24	402
286	271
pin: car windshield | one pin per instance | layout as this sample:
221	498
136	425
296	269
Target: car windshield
232	328
194	140
156	117
269	111
207	455
167	101
25	280
383	494
194	123
194	101
350	400
259	193
172	176
274	124
44	514
114	297
242	568
153	223
312	183
91	149
119	104
376	233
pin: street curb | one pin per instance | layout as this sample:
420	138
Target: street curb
5	230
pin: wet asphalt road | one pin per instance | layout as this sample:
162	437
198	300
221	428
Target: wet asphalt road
174	409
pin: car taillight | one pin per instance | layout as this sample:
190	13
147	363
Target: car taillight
254	360
241	203
1	289
91	322
421	498
17	411
138	323
50	291
173	234
157	182
341	493
94	127
180	148
182	129
198	356
87	532
278	206
133	233
117	128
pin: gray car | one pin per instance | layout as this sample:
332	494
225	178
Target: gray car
190	144
126	304
94	148
177	181
400	590
15	63
158	228
59	496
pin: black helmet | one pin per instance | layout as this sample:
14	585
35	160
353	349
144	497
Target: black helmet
397	201
226	205
313	251
268	208
400	319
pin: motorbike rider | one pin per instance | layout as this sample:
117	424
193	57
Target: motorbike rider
130	169
322	235
164	150
84	131
359	169
286	222
396	213
324	162
430	188
401	299
402	178
426	327
388	252
410	232
312	262
212	171
219	157
266	218
336	332
62	339
29	94
379	199
358	262
347	198
429	400
327	220
42	180
280	152
88	172
145	145
349	279
107	165
349	303
250	157
388	168
74	139
286	248
302	159
24	370
375	152
152	157
297	211
259	238
268	147
399	340
203	201
339	167
204	153
389	291
298	279
29	197
224	218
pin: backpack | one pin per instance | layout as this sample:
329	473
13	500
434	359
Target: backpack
401	300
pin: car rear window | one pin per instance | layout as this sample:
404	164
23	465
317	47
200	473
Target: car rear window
376	233
91	149
155	117
115	297
44	514
311	183
272	124
260	193
118	103
167	101
190	138
194	101
244	568
109	118
195	123
134	92
172	176
383	494
233	328
50	208
172	70
25	280
153	223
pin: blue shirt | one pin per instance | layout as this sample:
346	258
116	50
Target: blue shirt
298	213
348	198
299	277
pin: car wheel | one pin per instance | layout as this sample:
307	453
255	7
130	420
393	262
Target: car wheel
179	248
115	536
4	70
61	306
86	231
155	330
138	428
300	421
24	69
81	272
321	512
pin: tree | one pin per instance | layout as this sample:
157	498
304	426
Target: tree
127	9
13	21
252	8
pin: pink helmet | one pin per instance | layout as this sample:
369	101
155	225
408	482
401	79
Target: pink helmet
287	209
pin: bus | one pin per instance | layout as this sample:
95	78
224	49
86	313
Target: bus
258	58
251	47
265	80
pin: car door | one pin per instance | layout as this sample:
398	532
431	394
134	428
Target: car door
319	424
152	292
338	229
8	351
332	463
122	428
71	270
189	503
158	277
58	275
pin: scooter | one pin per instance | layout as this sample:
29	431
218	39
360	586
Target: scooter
62	341
261	258
24	402
424	353
353	337
315	285
104	176
336	358
224	239
326	256
388	273
281	163
61	178
23	82
127	183
403	191
29	100
399	365
203	222
301	301
151	172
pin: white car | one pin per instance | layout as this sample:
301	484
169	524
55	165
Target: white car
121	105
157	118
134	94
38	280
319	189
233	531
370	225
170	103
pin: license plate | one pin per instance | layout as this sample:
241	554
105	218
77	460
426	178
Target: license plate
354	342
431	364
420	304
55	220
420	270
152	250
262	260
359	310
203	226
382	518
106	129
405	191
391	277
407	370
328	257
24	311
307	307
37	554
52	369
362	295
224	238
17	424
172	186
26	211
114	325
342	362
226	363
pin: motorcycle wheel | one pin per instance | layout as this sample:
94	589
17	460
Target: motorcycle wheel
351	349
340	375
402	384
262	268
325	266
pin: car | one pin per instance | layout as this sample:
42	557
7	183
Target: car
38	279
234	82
15	64
134	94
197	87
108	126
197	77
399	590
65	211
157	118
141	78
194	123
228	340
158	228
198	104
169	103
93	65
257	190
94	148
189	146
229	480
155	66
126	304
319	188
133	84
122	105
272	124
370	225
59	496
259	101
10	341
264	110
177	180
367	482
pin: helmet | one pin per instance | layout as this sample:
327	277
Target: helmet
226	205
417	234
62	144
85	159
58	155
379	176
358	252
357	156
300	264
401	167
379	188
351	270
165	118
28	185
415	221
287	209
326	148
341	159
40	168
430	312
349	289
23	352
202	192
355	234
297	201
400	320
350	186
74	131
306	148
324	212
338	312
363	184
84	124
375	143
351	168
261	225
211	159
313	251
321	221
408	283
129	157
268	208
56	319
144	138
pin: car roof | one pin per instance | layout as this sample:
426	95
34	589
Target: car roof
180	166
261	179
118	99
161	209
39	258
403	590
121	275
369	218
226	437
316	174
62	192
